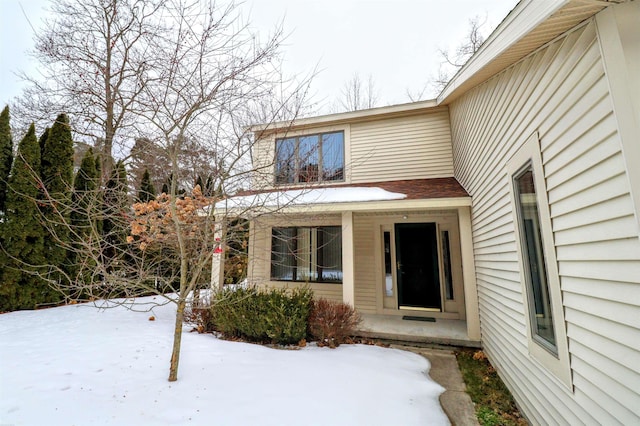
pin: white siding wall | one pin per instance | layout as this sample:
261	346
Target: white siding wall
415	147
560	91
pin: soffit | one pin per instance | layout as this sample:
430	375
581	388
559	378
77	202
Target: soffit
560	21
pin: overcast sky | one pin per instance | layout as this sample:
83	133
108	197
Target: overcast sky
394	41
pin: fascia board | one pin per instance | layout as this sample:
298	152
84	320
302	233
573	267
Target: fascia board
379	206
523	19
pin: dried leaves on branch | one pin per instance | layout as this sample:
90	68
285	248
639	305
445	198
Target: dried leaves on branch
154	224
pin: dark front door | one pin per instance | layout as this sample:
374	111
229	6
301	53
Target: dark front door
417	265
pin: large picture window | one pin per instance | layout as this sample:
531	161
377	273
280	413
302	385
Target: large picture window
307	254
310	158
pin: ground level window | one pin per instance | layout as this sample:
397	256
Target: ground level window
307	254
534	262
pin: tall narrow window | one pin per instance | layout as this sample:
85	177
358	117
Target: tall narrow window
388	265
308	158
446	265
534	262
541	283
283	254
285	160
332	156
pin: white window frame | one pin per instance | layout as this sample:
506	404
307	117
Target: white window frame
557	363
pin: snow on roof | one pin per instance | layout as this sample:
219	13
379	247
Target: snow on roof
311	196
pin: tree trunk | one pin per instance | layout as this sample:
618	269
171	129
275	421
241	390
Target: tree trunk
177	339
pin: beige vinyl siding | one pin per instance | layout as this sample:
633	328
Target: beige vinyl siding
263	159
561	92
414	147
364	264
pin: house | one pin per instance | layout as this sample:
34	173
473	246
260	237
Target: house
510	205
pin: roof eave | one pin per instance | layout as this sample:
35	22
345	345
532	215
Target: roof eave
360	206
529	26
346	117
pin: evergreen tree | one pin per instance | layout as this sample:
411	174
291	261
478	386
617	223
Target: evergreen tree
166	187
6	156
23	232
56	171
43	139
98	162
147	192
84	192
199	182
208	190
84	216
115	226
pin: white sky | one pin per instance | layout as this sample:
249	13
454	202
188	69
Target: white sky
394	41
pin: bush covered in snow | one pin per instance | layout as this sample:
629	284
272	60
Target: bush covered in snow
332	323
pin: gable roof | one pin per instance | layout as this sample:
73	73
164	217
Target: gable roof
529	26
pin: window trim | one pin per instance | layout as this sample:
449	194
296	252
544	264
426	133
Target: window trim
319	136
314	238
557	362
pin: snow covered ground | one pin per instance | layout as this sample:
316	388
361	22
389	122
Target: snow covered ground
79	365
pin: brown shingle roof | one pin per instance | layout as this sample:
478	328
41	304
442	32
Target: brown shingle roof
414	189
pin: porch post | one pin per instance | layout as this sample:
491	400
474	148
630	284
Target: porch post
469	274
217	260
348	276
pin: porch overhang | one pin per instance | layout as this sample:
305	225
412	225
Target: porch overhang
402	195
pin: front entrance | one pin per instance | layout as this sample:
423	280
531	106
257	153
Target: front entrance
417	266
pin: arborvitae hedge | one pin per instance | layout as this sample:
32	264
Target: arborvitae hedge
6	156
23	232
56	171
84	191
116	210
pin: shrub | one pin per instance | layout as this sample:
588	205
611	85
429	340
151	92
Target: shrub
332	323
274	315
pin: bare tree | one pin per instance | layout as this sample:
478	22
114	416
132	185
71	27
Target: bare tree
146	155
95	60
357	94
211	80
452	60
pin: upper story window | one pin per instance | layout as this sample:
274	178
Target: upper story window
310	158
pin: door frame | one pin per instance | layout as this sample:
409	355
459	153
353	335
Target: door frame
433	229
445	220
